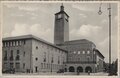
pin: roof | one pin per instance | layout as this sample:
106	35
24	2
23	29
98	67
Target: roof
62	12
31	37
96	50
80	41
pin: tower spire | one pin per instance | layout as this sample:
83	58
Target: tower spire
62	7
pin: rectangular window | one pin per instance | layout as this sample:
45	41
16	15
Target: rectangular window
5	44
41	65
8	44
11	65
18	52
5	65
20	43
17	65
24	54
23	65
24	42
5	55
16	43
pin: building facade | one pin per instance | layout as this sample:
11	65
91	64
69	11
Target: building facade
31	54
82	54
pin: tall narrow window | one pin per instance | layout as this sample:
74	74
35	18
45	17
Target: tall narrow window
5	44
17	65
24	54
44	59
58	60
18	52
5	56
11	55
24	42
23	65
16	43
20	43
18	56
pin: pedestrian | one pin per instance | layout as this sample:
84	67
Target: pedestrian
88	72
77	72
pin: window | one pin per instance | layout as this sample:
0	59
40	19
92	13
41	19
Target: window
74	52
44	59
17	65
83	52
11	65
18	52
36	47
24	54
52	59
20	43
16	43
10	43
24	42
78	52
23	65
18	57
11	55
5	44
41	65
59	16
88	52
36	58
5	65
5	55
58	60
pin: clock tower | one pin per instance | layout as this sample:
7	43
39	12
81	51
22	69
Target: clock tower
61	29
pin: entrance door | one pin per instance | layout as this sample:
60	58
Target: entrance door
80	69
88	69
71	69
36	69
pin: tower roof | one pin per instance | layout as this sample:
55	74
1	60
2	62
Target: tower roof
62	10
62	7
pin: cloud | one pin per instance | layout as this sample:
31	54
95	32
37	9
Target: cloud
104	47
35	29
86	30
104	21
28	8
83	15
21	6
81	7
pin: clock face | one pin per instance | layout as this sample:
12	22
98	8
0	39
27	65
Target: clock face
59	16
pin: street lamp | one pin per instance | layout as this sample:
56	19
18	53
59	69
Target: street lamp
109	15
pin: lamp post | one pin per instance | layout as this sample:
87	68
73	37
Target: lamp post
109	15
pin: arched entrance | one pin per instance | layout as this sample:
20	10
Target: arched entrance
88	68
71	69
80	69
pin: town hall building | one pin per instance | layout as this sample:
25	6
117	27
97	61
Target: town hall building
31	54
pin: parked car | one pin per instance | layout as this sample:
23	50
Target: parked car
60	71
12	70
